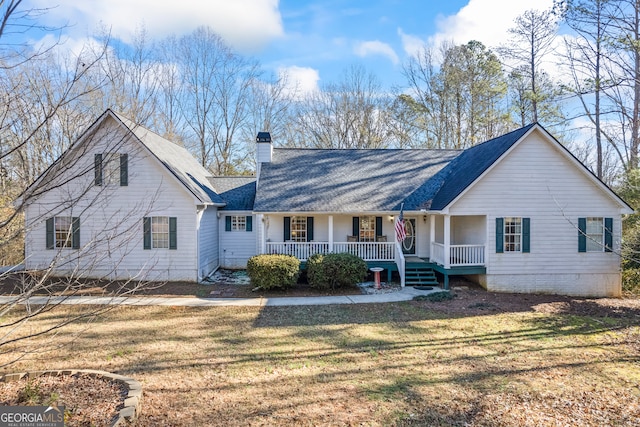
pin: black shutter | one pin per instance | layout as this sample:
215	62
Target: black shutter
355	229
499	235
608	234
146	231
249	223
309	228
526	235
98	169
287	228
75	233
227	223
124	170
378	227
50	235
582	236
173	232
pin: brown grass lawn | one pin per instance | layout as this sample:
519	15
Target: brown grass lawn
452	363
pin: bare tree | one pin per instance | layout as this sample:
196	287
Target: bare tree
532	39
352	113
463	102
40	118
585	55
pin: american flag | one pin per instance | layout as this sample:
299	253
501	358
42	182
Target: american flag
401	234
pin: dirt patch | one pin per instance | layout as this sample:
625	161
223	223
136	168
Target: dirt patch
474	300
88	400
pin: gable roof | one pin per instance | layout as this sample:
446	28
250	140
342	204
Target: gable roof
238	192
177	160
470	165
338	180
305	180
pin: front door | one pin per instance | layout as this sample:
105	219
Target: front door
409	243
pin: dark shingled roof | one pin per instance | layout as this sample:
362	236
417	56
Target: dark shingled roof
177	160
472	163
238	192
317	180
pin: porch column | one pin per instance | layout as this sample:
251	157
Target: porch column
432	234
330	225
447	241
262	235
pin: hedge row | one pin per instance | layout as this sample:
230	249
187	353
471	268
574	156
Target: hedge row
332	271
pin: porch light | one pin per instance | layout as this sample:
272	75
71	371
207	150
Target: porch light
391	218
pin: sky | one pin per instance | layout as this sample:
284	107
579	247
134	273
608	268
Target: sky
314	42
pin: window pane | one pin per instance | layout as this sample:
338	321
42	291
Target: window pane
367	228
238	223
595	234
63	231
160	232
512	234
299	228
111	168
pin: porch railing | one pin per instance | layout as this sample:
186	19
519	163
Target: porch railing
459	255
300	250
369	251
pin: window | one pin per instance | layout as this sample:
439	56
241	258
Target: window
111	169
63	232
513	234
299	228
367	231
160	232
238	223
595	234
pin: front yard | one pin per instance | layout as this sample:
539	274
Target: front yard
481	359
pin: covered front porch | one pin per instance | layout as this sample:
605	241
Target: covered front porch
450	245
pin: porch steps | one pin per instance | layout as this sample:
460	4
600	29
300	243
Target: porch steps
420	276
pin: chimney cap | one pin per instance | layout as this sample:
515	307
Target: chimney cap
263	137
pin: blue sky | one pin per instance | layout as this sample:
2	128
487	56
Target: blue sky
313	41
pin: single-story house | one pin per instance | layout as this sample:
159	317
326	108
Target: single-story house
517	213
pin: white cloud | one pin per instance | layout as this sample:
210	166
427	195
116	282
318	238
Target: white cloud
376	47
487	21
245	24
411	44
301	80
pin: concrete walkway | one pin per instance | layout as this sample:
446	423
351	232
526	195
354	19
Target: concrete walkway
406	294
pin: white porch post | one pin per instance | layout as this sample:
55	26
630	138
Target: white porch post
262	235
447	241
330	233
432	234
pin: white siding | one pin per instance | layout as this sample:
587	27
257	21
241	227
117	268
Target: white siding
208	242
236	247
111	232
535	180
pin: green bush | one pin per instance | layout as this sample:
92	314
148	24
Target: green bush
335	270
631	281
273	271
631	248
315	272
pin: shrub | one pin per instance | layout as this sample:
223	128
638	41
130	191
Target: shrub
631	281
273	271
315	272
631	248
335	270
